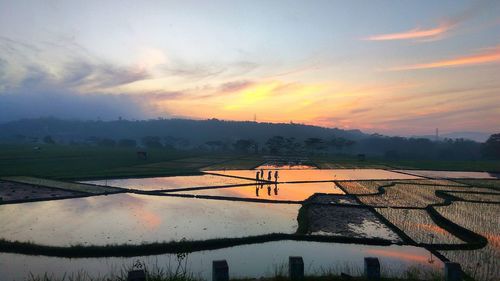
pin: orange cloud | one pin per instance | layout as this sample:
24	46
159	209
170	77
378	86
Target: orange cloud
489	55
416	33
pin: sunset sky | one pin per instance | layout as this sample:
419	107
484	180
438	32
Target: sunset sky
392	67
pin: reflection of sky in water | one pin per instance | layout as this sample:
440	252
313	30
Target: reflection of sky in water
452	174
170	182
127	218
264	259
292	191
323	174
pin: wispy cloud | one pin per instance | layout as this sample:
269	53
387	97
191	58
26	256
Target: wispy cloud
485	56
446	25
416	33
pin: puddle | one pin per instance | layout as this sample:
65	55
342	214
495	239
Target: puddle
133	219
321	175
165	183
452	174
290	191
265	259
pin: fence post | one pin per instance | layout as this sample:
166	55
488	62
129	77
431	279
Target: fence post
136	275
452	271
220	270
296	268
372	269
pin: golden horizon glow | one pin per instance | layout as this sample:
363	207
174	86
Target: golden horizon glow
222	63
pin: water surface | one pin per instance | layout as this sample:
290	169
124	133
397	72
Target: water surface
257	260
133	219
290	191
165	183
321	175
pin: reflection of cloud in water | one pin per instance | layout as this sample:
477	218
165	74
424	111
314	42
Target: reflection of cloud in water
96	204
408	256
291	191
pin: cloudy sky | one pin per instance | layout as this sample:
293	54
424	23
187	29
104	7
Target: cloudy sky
393	67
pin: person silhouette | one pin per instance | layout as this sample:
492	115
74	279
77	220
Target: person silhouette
269	175
269	189
276	189
257	190
276	176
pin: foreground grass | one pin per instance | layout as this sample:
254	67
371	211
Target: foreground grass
178	271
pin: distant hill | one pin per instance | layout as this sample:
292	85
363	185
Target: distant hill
475	136
196	131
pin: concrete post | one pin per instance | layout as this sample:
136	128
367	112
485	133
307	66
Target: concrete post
372	269
136	275
296	268
220	271
452	271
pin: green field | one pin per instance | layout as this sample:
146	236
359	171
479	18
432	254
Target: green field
92	162
86	162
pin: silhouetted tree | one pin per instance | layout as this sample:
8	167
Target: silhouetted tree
214	145
152	142
292	146
315	144
491	148
275	144
243	145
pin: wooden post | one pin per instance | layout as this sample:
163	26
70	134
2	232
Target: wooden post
296	268
137	275
372	269
220	271
452	271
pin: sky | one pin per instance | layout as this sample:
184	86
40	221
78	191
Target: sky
391	67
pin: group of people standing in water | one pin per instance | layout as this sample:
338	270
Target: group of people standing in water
259	178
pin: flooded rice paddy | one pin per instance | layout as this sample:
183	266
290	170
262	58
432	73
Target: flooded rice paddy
452	174
280	192
377	204
136	219
320	175
266	259
484	219
165	183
